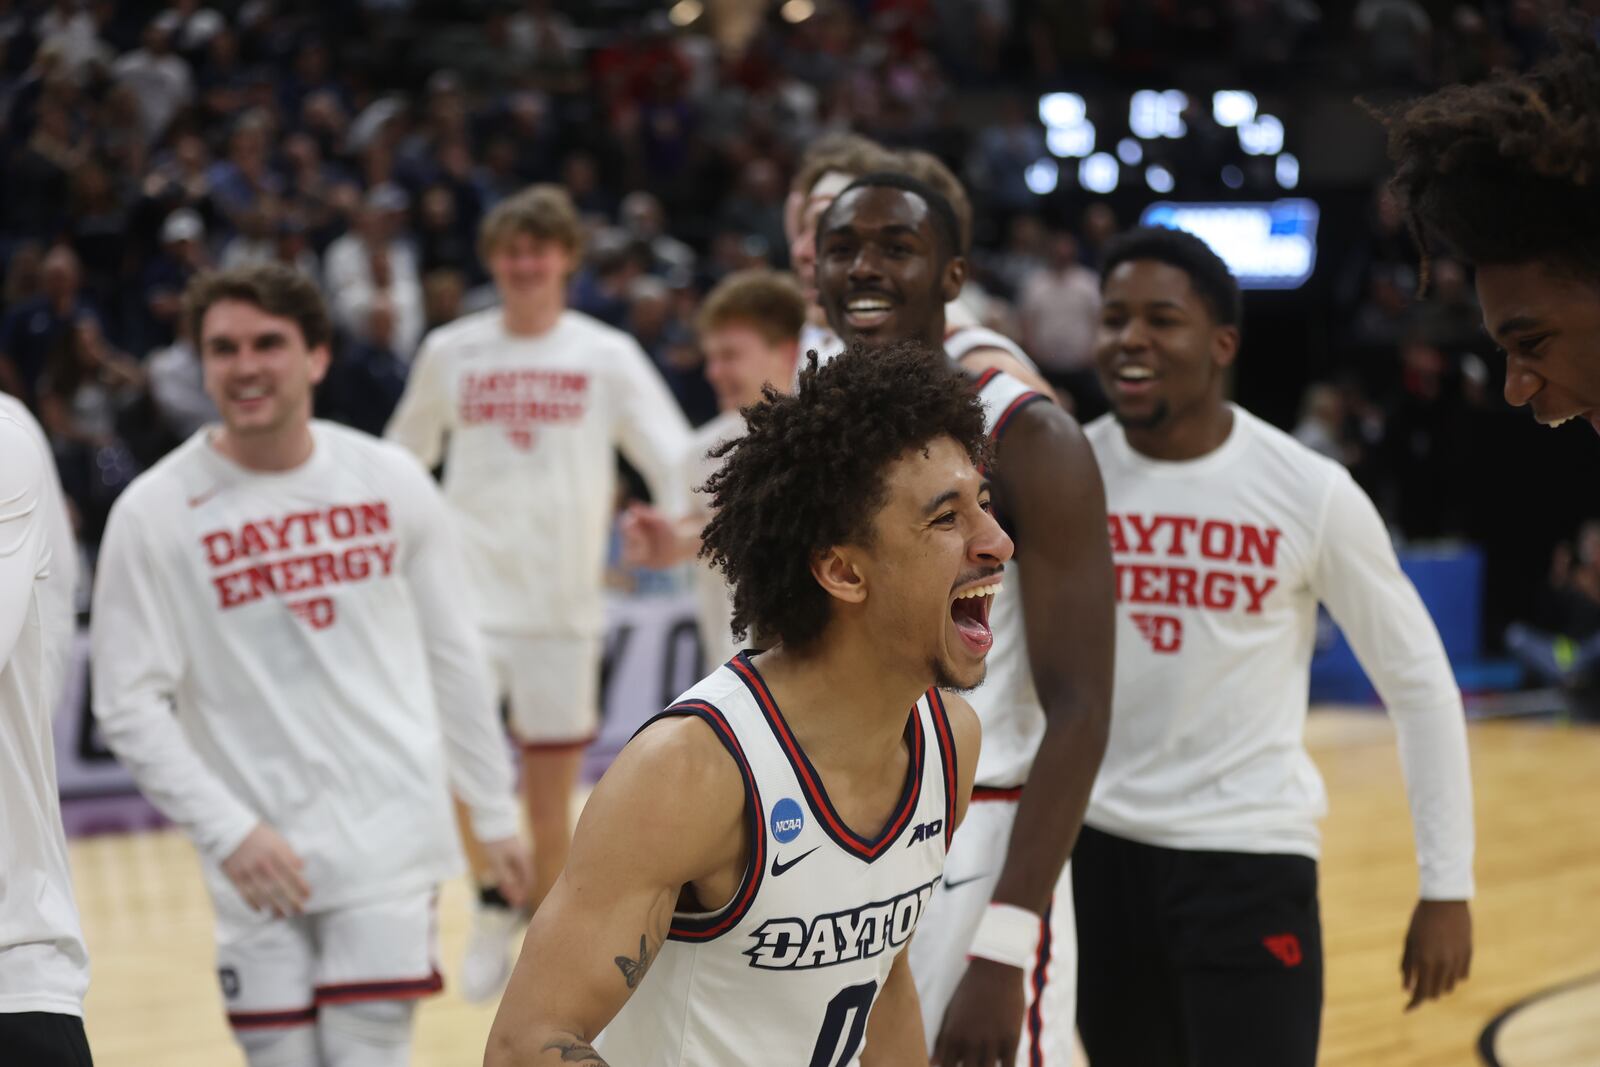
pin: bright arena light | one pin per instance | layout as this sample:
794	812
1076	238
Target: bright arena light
1099	173
1072	141
1042	177
1233	107
685	12
797	11
1288	171
1262	137
1232	177
1153	114
1159	179
1130	151
1062	109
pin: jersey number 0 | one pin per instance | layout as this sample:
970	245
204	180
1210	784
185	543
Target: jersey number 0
852	1005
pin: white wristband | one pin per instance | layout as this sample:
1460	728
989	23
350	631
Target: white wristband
1007	934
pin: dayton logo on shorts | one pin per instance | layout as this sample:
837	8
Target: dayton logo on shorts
787	820
858	934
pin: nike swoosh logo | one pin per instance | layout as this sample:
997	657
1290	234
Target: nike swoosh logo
961	882
779	868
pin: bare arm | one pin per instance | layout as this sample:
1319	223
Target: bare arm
668	813
1049	486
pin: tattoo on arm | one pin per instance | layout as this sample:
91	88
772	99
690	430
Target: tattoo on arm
633	970
575	1051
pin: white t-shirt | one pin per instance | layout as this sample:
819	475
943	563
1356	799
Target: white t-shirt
43	964
530	473
1220	564
308	627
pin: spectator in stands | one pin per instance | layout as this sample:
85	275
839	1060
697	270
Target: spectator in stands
1060	312
367	376
177	387
160	79
32	329
1561	646
182	256
375	259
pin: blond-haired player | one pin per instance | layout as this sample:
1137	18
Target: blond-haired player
749	329
283	660
533	399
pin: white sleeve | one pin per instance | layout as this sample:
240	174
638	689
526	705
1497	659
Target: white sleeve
137	661
422	417
476	754
22	529
1377	607
651	429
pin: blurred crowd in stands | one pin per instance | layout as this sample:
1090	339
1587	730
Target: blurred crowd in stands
363	140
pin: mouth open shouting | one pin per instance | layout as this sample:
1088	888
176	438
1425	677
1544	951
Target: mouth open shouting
969	611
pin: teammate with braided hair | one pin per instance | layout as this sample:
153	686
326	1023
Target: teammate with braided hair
1507	173
766	846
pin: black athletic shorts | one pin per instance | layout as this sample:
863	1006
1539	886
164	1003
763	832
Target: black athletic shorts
1196	959
43	1039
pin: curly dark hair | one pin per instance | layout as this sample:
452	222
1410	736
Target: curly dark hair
1508	170
809	474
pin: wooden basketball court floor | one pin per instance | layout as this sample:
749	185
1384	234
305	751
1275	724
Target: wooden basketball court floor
1535	982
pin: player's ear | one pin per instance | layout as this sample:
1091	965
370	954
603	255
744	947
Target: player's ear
954	278
321	357
838	575
1224	345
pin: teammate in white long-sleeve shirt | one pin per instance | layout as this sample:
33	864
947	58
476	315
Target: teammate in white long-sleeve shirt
534	399
854	525
44	969
1196	877
284	661
749	330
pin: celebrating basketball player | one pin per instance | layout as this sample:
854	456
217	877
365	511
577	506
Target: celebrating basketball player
1196	874
44	969
749	330
1503	172
747	874
888	261
534	398
830	165
283	660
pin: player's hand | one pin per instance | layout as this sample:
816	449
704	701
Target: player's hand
983	1023
510	867
1438	951
266	872
649	538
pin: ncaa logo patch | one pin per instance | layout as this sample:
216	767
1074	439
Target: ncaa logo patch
787	820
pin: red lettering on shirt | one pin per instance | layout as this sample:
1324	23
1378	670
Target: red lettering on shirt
1230	558
521	400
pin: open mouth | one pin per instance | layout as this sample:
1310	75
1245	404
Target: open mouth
1591	417
248	399
868	311
1134	380
970	612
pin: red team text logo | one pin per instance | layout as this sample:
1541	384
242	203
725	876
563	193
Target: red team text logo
300	553
519	401
1180	561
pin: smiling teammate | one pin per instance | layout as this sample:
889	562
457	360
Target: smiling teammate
747	874
283	662
1507	173
1196	876
526	404
995	961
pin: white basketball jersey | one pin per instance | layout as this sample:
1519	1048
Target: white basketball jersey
963	339
787	972
1006	702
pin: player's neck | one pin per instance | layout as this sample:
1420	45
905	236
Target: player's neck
533	316
1184	437
267	452
846	706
